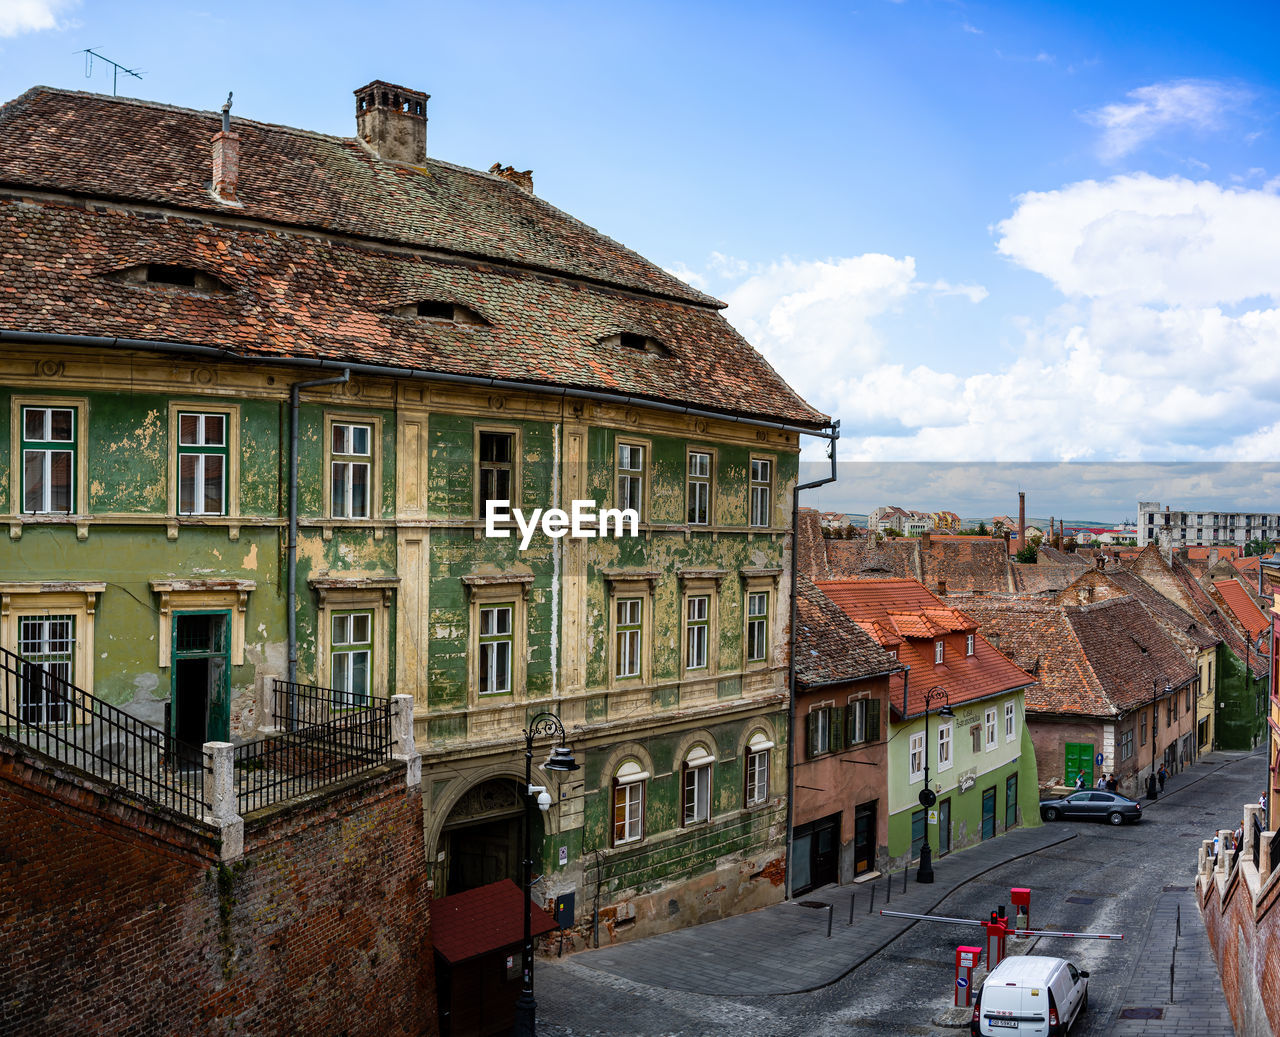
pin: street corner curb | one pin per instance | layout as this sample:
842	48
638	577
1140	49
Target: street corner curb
954	1018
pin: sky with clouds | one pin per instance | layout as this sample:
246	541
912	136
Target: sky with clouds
972	232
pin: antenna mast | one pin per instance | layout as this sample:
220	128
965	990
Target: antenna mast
116	68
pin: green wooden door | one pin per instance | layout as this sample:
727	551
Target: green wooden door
1079	757
201	690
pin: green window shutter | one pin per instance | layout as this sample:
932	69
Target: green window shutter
811	741
837	729
873	720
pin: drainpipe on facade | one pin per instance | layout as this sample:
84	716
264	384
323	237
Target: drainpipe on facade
791	653
291	549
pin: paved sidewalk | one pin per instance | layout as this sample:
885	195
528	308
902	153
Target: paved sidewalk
739	955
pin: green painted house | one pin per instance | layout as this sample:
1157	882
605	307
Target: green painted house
262	385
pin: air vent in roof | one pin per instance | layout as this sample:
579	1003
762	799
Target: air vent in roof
434	309
172	275
635	341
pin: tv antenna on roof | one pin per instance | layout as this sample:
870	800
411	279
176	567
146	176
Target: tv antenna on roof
116	68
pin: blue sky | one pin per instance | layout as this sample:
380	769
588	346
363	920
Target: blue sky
974	232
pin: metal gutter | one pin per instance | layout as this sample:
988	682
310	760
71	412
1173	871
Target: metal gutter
791	654
386	371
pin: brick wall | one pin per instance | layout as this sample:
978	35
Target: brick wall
122	920
1242	917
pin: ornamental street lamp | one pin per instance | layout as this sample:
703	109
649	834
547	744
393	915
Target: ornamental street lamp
927	796
1155	726
560	760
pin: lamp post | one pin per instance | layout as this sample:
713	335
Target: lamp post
560	760
927	796
1155	726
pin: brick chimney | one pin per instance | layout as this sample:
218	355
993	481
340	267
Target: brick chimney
226	160
942	587
522	179
1022	519
393	121
924	539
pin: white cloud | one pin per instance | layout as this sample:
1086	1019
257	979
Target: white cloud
1151	110
19	16
1147	239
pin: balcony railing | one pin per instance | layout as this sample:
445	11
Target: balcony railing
52	716
325	736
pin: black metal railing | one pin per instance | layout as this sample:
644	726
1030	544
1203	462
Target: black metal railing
325	740
50	715
1257	841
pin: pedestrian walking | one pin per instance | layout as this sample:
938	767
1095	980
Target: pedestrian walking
1112	784
1163	775
1102	781
1080	780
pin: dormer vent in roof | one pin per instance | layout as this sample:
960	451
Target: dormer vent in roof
433	309
393	121
633	340
523	179
226	160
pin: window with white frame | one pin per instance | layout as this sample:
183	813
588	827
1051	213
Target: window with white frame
696	796
757	626
696	629
628	803
863	720
496	648
47	647
968	644
761	491
915	768
937	651
350	469
945	759
495	466
757	769
820	734
1010	721
49	460
628	631
991	729
631	477
202	463
350	658
699	488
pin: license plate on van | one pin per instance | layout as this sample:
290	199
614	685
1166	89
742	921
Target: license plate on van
1012	1024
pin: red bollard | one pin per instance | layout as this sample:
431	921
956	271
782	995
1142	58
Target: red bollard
966	959
1021	898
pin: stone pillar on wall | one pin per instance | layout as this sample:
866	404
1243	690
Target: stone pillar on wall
220	798
402	738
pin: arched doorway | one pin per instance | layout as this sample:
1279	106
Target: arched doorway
481	838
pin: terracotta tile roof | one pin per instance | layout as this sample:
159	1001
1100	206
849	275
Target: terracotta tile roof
405	235
1043	577
1128	650
1192	634
1221	621
1056	557
873	604
1247	613
830	646
1090	660
1037	636
488	918
962	563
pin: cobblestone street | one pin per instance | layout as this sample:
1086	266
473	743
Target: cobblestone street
880	975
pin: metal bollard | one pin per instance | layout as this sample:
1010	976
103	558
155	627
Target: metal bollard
851	909
831	910
904	880
888	889
872	902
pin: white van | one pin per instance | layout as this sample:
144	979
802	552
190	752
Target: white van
1030	994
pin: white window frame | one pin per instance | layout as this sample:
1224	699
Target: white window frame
822	733
344	652
334	458
757	621
915	758
79	488
200	451
343	465
335	595
628	637
756	790
697	631
760	504
946	747
512	467
695	787
857	721
969	644
486	593
698	482
1010	721
991	729
490	665
939	651
631	484
628	791
230	414
47	642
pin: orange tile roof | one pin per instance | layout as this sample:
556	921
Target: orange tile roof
831	647
879	604
1242	606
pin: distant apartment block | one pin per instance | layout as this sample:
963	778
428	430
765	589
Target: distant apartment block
1204	528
